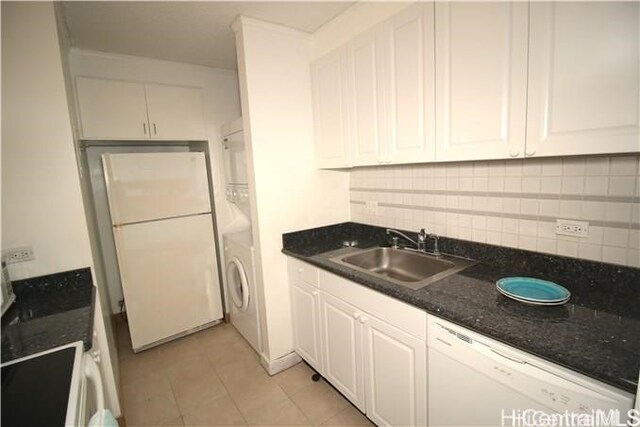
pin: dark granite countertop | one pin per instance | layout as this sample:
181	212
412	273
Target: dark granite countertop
49	311
597	333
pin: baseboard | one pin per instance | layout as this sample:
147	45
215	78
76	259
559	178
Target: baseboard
285	362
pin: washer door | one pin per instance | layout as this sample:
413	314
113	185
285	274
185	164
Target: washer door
238	285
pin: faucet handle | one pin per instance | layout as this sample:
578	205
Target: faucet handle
395	243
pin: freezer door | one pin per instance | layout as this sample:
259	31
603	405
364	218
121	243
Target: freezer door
169	276
151	186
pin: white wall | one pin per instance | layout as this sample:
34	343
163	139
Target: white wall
221	104
353	21
41	199
41	193
287	191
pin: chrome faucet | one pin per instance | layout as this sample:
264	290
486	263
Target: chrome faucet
436	252
420	244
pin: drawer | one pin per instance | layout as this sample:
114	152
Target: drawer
303	271
403	316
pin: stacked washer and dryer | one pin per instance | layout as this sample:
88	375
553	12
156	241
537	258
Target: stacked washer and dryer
241	292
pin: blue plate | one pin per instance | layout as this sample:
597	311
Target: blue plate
536	291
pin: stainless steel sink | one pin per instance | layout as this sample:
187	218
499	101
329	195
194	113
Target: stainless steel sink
404	267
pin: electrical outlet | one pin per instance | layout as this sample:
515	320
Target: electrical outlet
371	207
21	254
569	227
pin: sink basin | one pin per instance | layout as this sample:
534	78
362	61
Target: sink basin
404	267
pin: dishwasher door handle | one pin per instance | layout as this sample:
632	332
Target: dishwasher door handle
513	359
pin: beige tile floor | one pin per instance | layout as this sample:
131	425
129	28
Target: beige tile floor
213	378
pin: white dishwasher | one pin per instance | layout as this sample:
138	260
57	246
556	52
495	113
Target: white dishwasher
476	381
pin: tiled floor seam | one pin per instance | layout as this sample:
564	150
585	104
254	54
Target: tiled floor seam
298	407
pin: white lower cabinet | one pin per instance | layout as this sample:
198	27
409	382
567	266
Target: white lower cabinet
342	336
395	375
305	303
372	347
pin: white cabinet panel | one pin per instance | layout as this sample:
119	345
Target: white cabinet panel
299	270
403	316
395	375
481	78
175	112
330	110
111	109
342	339
584	78
366	97
305	304
410	85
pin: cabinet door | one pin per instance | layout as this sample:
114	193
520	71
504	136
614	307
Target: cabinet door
111	109
305	303
481	79
365	64
409	81
584	78
342	339
175	112
395	375
330	110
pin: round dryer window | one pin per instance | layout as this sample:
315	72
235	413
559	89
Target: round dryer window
238	285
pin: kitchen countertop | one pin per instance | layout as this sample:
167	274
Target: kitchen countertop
597	333
49	311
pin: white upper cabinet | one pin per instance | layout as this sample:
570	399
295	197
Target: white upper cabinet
175	112
455	81
111	109
584	78
330	106
365	65
409	91
481	79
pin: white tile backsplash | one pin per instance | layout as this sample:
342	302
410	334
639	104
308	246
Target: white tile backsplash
512	203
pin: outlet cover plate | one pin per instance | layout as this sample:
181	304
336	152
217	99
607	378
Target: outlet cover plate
569	227
21	254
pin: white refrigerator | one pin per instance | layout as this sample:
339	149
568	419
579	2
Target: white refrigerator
163	231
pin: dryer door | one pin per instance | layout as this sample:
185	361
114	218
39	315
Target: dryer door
238	285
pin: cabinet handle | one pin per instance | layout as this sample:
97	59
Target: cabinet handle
155	131
514	153
144	128
531	152
356	316
363	320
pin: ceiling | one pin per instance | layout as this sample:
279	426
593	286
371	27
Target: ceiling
195	32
